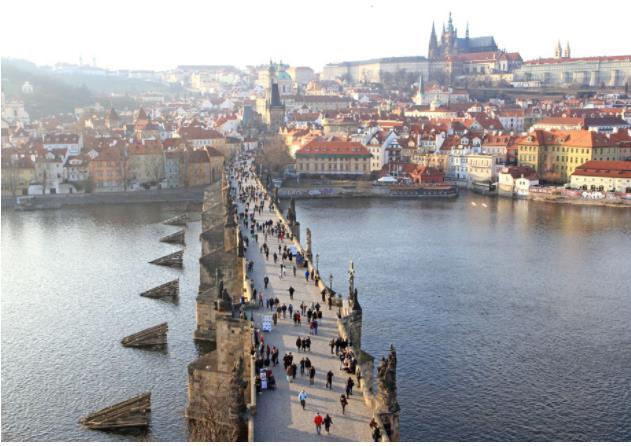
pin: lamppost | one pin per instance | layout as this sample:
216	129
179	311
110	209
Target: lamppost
331	282
317	263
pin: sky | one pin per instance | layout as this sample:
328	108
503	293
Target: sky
159	35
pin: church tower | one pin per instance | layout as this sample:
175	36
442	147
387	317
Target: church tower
275	109
418	99
557	51
566	53
433	44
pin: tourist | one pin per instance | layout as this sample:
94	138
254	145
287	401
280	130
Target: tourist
302	397
294	268
299	343
304	344
343	402
302	366
308	343
275	258
376	434
284	309
307	276
312	373
294	370
349	386
323	294
318	420
288	371
275	318
291	292
266	281
290	308
328	421
332	344
329	380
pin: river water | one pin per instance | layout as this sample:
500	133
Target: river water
511	321
70	285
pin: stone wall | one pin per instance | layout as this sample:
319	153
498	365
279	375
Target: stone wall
220	383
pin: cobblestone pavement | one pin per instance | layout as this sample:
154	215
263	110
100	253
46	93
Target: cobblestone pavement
279	416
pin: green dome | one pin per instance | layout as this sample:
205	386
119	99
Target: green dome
284	76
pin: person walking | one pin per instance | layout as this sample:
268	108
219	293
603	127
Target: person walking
266	281
349	386
291	292
332	344
376	434
307	276
294	270
290	308
343	403
318	420
312	372
328	421
302	366
329	380
302	397
299	343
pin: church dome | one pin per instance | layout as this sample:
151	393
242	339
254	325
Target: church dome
284	76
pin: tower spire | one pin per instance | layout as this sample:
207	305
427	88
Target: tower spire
467	31
433	43
450	24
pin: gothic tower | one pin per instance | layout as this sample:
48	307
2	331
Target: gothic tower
557	51
433	44
567	53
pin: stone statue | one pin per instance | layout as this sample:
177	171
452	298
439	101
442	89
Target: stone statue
387	382
351	280
355	303
291	212
220	288
308	253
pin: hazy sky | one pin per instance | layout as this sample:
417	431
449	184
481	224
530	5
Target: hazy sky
142	34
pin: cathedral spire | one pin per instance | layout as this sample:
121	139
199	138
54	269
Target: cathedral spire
567	53
467	31
433	43
557	51
450	24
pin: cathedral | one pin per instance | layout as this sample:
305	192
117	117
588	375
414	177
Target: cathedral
451	45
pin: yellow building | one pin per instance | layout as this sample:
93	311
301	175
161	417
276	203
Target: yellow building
18	171
333	158
556	154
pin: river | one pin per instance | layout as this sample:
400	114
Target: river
510	318
70	285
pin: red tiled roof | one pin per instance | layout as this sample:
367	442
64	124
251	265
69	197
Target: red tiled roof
609	169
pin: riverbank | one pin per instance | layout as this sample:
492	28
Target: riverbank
193	195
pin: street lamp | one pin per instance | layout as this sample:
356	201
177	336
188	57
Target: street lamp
331	282
317	262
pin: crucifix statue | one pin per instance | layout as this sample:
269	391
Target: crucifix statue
351	280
